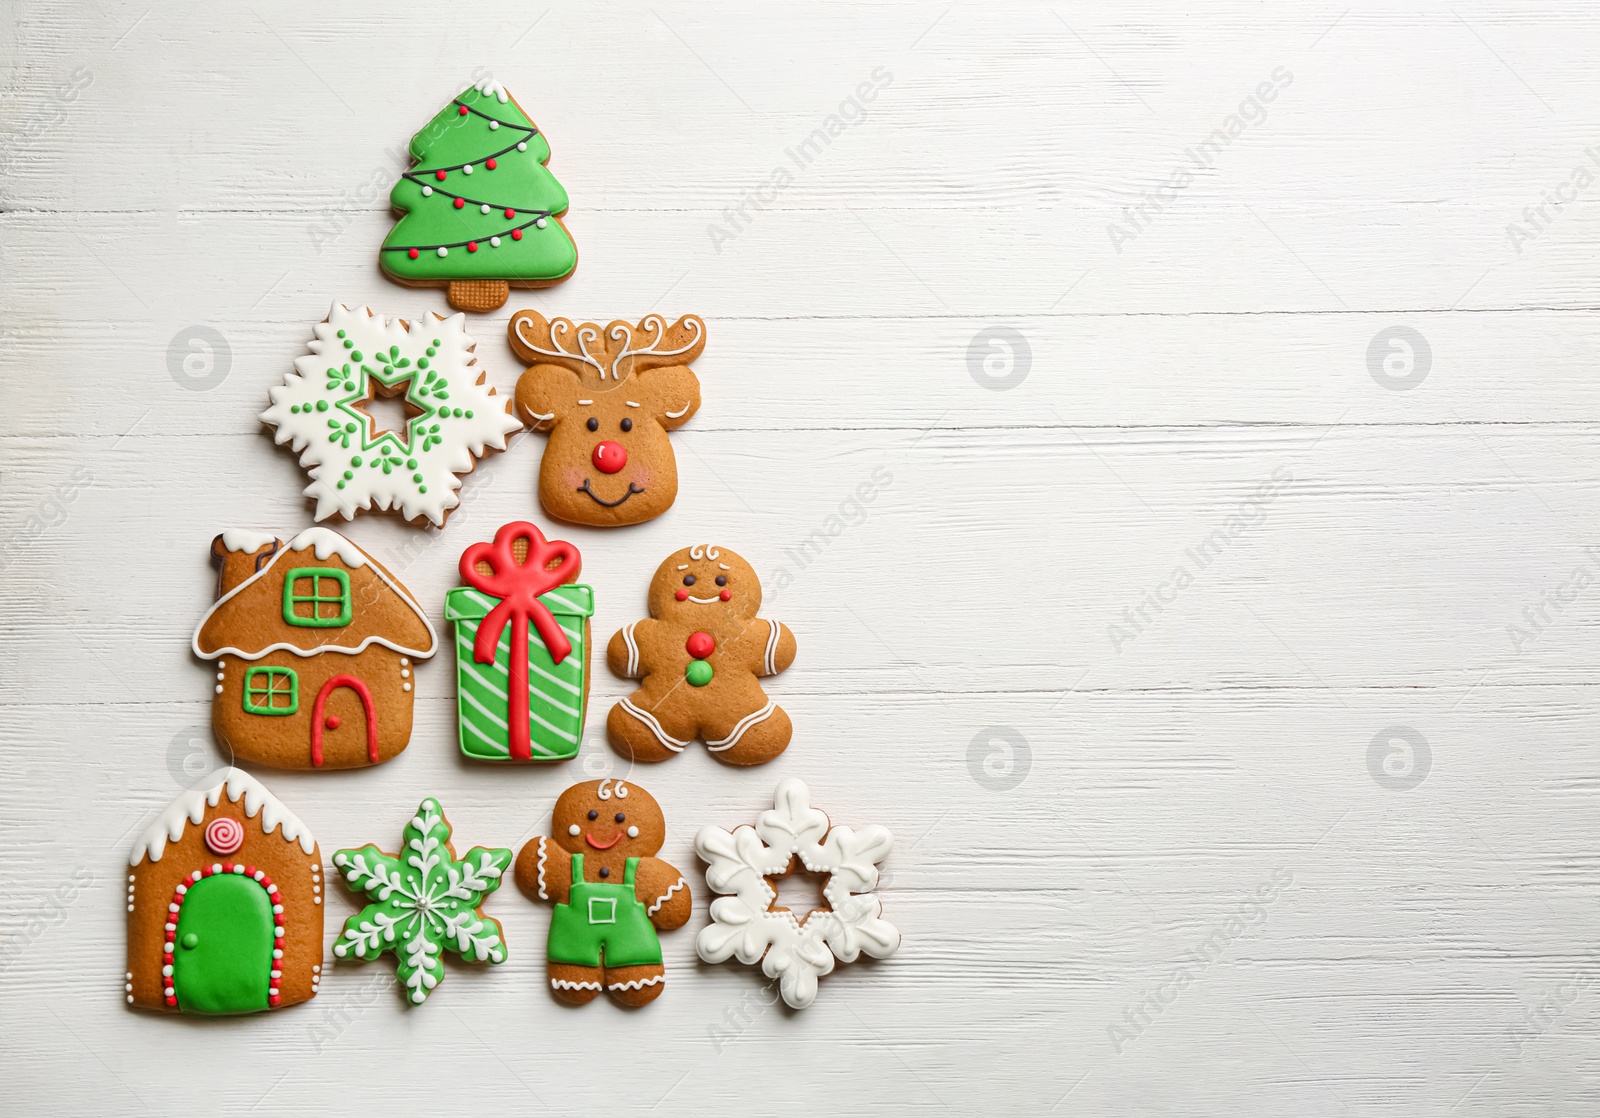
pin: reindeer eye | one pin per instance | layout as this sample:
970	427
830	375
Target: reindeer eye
722	580
593	424
593	815
688	580
627	424
621	818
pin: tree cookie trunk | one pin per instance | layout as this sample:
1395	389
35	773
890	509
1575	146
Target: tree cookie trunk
478	296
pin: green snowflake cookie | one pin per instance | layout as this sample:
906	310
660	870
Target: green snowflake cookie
424	900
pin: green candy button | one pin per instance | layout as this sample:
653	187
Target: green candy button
699	673
190	941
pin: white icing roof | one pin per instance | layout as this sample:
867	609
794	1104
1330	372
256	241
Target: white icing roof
246	539
191	808
322	542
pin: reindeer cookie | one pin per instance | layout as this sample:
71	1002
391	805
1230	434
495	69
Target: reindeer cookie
700	654
607	398
611	895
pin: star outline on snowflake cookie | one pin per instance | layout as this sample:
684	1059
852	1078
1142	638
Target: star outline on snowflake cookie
424	901
795	950
454	417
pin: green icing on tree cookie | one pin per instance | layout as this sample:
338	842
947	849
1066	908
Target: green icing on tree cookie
423	901
479	204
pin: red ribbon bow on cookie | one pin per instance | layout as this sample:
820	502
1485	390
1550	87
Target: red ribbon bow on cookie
518	586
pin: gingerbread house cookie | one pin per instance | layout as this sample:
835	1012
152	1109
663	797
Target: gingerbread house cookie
224	903
315	647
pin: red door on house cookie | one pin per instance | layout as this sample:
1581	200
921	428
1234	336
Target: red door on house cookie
343	719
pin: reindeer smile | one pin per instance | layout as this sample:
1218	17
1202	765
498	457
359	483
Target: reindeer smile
633	487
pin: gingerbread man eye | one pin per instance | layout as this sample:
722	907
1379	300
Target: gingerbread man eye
593	815
621	818
722	580
627	424
593	424
688	580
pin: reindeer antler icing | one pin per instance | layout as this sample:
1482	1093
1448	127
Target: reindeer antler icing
624	343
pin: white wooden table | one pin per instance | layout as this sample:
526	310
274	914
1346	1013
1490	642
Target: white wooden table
1342	379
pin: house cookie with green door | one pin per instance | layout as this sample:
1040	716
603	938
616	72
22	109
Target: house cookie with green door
315	647
612	896
224	903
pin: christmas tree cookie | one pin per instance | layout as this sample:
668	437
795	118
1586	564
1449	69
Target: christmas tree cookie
479	213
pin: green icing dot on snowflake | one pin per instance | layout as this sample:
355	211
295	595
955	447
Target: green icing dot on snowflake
356	460
425	901
322	405
341	333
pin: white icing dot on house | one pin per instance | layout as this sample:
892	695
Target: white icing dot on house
404	662
443	251
219	688
130	908
405	687
167	971
522	147
130	878
316	900
219	677
484	208
494	242
405	673
277	953
426	191
130	999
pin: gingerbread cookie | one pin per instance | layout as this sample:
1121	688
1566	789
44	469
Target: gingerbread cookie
748	924
522	647
699	657
607	399
479	213
327	410
224	903
611	896
315	647
424	900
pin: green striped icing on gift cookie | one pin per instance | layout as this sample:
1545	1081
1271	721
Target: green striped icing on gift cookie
522	647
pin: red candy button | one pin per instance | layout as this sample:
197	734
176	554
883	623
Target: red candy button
332	722
700	645
609	457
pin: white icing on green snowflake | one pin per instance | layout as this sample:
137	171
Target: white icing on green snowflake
453	419
794	950
424	901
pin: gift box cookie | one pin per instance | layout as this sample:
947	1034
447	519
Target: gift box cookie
522	647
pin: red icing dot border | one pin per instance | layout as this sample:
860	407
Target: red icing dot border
175	908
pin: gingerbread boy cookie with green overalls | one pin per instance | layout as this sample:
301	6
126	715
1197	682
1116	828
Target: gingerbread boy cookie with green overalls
611	895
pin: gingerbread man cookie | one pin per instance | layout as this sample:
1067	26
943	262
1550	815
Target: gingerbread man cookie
700	655
607	398
611	895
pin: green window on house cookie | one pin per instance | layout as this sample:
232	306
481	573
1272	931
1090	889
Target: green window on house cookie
271	691
317	598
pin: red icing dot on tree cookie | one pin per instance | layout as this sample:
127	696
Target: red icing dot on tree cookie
460	203
700	645
412	253
472	246
516	234
491	164
463	111
511	213
439	175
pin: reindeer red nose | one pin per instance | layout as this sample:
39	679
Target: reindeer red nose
609	457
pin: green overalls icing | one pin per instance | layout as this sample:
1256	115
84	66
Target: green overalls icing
601	916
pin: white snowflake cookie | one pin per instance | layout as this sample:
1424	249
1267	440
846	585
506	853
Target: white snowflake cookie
794	950
452	418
